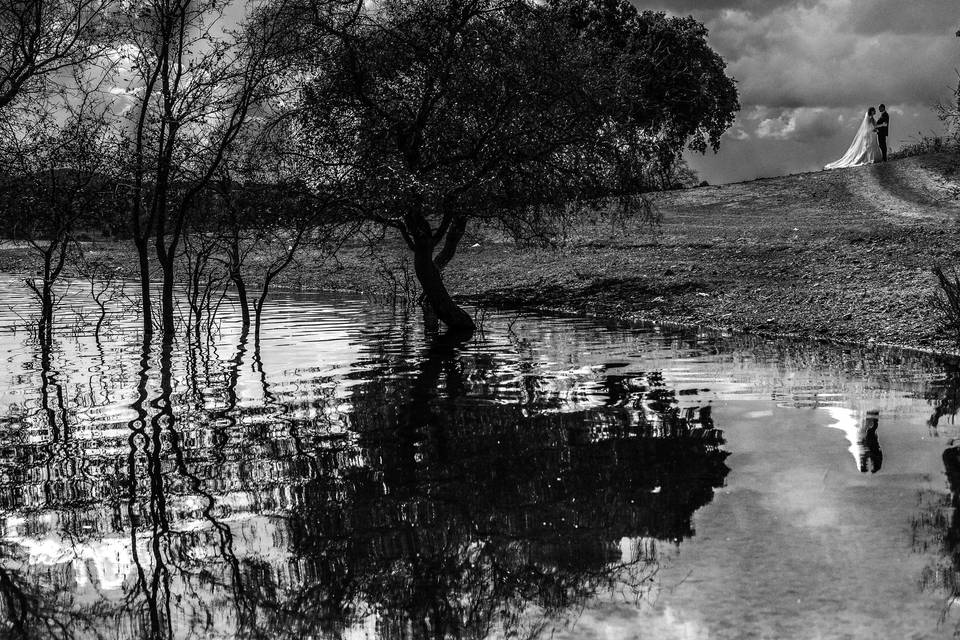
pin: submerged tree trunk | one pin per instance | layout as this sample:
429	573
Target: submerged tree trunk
258	309
236	260
435	292
46	312
258	316
167	319
241	288
145	302
54	257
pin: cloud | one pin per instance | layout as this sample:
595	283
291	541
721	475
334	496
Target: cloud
801	125
832	53
702	8
777	128
932	17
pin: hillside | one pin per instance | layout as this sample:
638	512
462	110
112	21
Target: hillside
844	255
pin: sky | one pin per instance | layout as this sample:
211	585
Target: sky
807	70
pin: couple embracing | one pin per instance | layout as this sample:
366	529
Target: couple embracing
870	143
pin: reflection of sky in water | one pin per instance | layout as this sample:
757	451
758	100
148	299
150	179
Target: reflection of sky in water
796	541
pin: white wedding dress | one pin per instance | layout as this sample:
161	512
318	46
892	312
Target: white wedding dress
865	148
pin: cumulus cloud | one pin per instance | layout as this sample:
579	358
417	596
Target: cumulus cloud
832	53
801	125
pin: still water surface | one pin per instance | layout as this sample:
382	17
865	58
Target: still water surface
351	477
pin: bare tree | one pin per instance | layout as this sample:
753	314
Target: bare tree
41	38
195	85
269	215
206	278
53	167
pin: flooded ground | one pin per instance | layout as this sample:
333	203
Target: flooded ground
348	476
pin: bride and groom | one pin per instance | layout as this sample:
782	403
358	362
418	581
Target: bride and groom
870	143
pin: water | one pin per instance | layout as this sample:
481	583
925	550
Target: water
350	477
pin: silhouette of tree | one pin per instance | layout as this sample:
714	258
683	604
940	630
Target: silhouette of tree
504	111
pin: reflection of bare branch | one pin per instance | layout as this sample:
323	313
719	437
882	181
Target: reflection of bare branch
225	543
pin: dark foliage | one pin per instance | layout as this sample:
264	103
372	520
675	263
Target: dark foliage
922	145
950	113
946	303
500	110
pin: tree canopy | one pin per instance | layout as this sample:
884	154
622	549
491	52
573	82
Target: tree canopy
443	111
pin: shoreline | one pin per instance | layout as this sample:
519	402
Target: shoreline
727	332
839	256
843	256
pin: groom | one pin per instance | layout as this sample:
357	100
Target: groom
883	127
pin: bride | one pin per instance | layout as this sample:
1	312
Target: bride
865	148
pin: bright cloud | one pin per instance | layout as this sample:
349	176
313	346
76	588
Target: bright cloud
804	124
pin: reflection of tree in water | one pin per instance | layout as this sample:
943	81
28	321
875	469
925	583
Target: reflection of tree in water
434	513
44	478
937	524
937	528
466	513
944	394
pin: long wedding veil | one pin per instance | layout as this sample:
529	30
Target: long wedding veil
864	129
857	152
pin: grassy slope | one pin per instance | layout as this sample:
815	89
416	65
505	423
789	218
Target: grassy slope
842	255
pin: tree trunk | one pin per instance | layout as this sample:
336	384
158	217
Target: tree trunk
145	301
45	329
436	294
241	287
454	235
46	312
167	320
258	314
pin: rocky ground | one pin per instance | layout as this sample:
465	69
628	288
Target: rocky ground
842	255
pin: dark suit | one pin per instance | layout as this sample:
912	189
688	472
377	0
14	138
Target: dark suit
883	128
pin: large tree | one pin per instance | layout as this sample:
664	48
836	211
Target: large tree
447	111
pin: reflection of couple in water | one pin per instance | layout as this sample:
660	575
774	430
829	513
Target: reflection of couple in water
869	455
860	430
